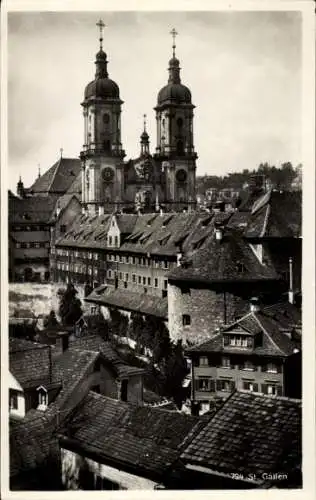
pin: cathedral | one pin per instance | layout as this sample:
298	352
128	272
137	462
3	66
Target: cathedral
164	179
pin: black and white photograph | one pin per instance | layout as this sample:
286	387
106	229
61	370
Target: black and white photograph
156	287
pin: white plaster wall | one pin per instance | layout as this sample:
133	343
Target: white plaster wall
71	462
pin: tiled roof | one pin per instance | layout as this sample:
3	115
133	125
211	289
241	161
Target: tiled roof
96	344
277	214
144	439
76	186
250	434
126	222
228	260
58	178
131	301
87	231
30	236
63	201
272	325
30	365
32	210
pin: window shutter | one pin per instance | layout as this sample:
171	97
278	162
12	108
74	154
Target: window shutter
264	388
279	368
279	390
212	385
226	340
196	384
255	387
232	385
218	385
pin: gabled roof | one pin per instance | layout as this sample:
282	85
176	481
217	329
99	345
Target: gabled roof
277	214
271	322
58	179
130	301
95	343
30	363
250	434
141	439
229	260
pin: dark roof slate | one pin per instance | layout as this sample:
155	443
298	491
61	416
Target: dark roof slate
147	439
31	210
250	434
30	365
228	260
277	214
130	301
273	327
58	178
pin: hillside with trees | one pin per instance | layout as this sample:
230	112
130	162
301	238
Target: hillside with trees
285	177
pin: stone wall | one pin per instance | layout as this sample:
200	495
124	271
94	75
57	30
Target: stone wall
208	310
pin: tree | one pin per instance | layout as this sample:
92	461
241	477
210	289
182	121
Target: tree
69	305
175	371
118	323
50	321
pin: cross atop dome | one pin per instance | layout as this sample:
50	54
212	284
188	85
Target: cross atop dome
174	33
100	24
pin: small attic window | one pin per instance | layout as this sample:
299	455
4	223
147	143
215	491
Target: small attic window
166	222
240	267
150	221
199	243
164	240
42	398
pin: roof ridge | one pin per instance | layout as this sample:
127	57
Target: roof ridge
270	396
268	335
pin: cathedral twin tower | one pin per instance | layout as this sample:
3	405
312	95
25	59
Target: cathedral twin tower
150	182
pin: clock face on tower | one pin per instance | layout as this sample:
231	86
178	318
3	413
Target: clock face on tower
181	175
107	174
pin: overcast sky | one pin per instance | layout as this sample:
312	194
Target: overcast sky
243	69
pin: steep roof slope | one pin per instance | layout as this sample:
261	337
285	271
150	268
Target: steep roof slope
58	179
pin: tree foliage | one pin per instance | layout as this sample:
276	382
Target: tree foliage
50	321
69	305
279	177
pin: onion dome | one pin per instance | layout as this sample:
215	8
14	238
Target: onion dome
174	91
102	86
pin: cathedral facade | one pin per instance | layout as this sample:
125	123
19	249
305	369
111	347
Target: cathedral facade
163	180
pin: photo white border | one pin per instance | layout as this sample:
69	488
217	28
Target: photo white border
307	7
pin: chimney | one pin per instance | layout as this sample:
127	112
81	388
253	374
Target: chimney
291	292
254	304
58	209
101	210
219	231
83	210
62	341
161	211
179	258
195	408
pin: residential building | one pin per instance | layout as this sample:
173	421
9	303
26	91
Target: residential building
252	441
111	445
260	352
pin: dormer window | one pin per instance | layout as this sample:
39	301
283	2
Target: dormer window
42	398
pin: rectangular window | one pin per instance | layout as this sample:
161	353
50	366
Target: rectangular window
204	384
110	241
18	245
232	341
250	386
120	276
156	283
63	228
90	255
164	293
244	342
186	319
127	259
109	273
165	264
148	281
95	272
203	361
134	278
225	385
133	260
121	258
248	365
13	400
116	241
144	280
96	256
126	276
272	368
165	284
225	362
139	280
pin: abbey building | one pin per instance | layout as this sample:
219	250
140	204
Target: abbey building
165	179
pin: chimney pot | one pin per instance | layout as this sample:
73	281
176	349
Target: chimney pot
254	304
